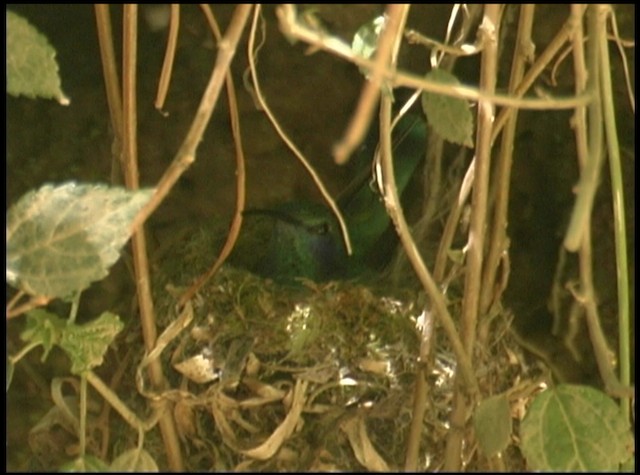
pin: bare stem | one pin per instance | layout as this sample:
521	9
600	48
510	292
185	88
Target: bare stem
475	245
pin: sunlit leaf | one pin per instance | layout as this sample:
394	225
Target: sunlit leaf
62	238
450	117
365	41
86	344
32	69
575	428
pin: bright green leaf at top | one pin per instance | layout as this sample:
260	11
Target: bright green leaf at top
62	238
32	69
86	344
449	116
575	428
365	41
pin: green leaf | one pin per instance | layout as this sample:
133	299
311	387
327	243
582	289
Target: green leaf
62	238
492	422
32	69
43	328
135	460
575	428
365	41
86	344
87	463
450	117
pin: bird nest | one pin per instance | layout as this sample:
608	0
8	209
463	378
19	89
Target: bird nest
316	377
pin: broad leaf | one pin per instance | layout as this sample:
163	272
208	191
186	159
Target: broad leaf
87	463
60	239
575	428
449	116
492	422
365	41
43	328
32	69
86	344
134	460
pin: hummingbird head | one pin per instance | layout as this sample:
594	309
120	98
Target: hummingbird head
304	242
302	239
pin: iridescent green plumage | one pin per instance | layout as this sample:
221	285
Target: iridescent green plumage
303	240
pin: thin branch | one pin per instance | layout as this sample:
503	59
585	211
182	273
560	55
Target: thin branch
489	29
291	27
169	56
498	242
617	190
394	25
110	71
138	240
305	163
590	175
186	154
392	202
236	223
536	69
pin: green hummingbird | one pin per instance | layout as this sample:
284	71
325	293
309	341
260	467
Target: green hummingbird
302	239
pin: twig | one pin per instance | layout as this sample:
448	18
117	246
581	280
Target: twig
112	85
475	245
169	56
186	154
371	92
305	163
498	242
625	65
392	202
34	302
590	175
236	223
419	394
617	190
534	71
289	25
138	240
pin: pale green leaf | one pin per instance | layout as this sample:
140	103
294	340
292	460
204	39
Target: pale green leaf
86	344
135	460
449	116
492	422
32	69
575	428
60	239
87	463
365	41
43	328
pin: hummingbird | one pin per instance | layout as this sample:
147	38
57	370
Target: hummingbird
302	239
